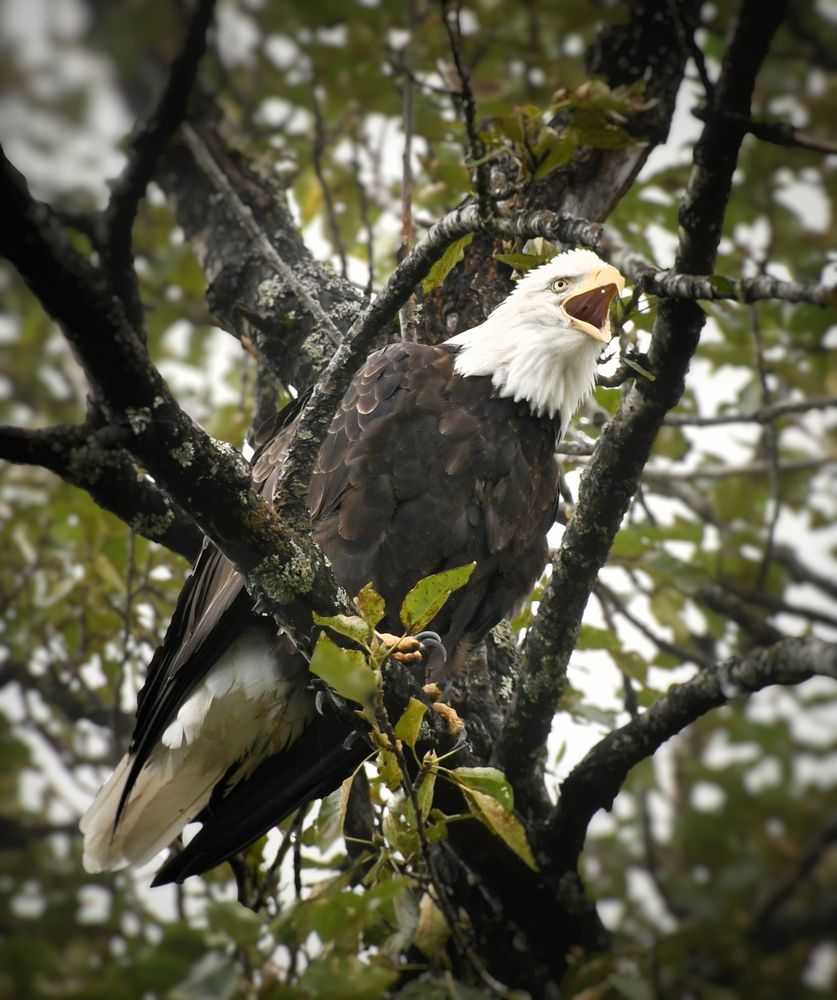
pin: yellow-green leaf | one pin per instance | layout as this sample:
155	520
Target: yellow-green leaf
344	670
427	598
424	794
408	726
352	626
446	263
502	823
486	780
389	769
370	604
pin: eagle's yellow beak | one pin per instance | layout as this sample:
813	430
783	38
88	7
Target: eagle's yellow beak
587	309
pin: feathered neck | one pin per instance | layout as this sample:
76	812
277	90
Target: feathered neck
551	367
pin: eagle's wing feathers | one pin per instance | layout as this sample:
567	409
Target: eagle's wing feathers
214	615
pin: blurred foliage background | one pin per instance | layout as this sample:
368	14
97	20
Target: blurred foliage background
731	543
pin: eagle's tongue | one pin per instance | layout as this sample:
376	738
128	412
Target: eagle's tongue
591	307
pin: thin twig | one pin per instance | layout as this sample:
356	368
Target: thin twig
465	948
407	313
779	894
465	99
268	882
766	414
365	217
608	597
147	145
776	133
770	437
127	628
318	148
654	475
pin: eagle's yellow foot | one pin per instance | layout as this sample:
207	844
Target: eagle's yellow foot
411	648
455	725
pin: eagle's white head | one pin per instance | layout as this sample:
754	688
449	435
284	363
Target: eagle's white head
541	344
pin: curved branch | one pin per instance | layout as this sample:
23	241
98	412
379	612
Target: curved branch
594	783
209	480
614	473
95	462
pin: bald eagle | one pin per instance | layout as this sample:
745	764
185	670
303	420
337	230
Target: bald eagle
437	457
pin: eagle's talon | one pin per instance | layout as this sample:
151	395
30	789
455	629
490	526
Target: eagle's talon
411	649
451	719
434	640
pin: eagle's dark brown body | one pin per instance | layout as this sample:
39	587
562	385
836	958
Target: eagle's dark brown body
423	470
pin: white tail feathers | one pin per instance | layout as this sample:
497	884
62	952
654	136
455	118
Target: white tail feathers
160	805
251	704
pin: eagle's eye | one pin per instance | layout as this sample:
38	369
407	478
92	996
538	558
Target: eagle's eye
559	284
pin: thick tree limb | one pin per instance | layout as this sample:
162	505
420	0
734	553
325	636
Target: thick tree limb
262	280
594	783
93	460
207	479
614	473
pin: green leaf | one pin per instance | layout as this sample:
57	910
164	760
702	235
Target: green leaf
597	638
555	154
490	798
346	977
501	822
370	604
213	977
721	284
344	670
408	726
389	769
487	781
431	933
446	263
424	795
399	833
637	367
524	262
351	626
428	597
237	922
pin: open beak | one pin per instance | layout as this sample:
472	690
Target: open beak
587	310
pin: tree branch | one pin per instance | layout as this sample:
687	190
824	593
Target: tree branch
147	146
594	783
657	476
94	461
262	280
614	473
777	133
762	416
465	98
207	479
